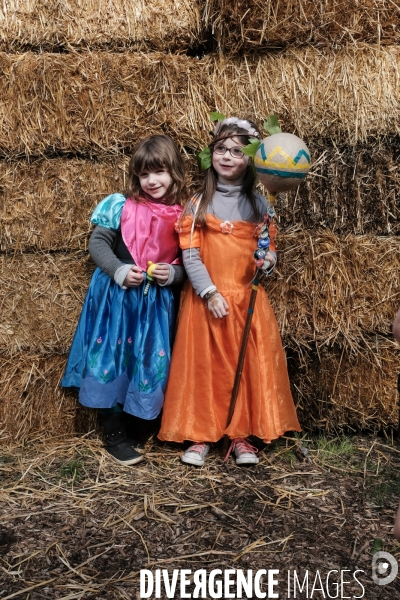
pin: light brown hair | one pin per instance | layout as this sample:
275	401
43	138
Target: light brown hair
205	192
152	153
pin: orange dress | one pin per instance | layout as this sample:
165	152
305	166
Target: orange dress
206	349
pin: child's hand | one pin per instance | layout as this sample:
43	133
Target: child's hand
271	260
161	273
134	277
218	306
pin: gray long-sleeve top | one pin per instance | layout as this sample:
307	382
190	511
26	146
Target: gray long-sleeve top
109	252
228	204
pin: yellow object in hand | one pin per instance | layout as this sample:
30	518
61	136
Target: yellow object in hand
150	270
149	277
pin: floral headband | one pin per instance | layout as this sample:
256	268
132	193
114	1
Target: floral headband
271	125
242	123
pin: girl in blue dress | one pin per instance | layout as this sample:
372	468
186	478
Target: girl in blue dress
120	354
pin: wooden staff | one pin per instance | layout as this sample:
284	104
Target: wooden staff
242	354
246	331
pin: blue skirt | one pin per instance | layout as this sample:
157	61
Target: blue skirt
122	347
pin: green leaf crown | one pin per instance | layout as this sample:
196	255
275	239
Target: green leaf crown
271	126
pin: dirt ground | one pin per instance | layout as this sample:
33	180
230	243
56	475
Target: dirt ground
74	524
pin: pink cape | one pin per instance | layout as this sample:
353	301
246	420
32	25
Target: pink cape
148	230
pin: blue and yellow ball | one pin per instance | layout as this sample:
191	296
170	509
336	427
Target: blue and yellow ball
282	162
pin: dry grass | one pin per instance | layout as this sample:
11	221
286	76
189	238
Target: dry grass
335	389
176	25
75	525
257	25
329	303
163	25
98	104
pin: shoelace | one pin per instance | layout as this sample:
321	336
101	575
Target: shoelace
242	445
197	447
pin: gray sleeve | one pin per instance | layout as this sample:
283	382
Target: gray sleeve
101	250
196	270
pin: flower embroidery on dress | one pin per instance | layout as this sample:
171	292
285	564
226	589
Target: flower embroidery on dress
226	227
105	376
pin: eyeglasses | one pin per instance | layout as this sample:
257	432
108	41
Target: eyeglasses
234	152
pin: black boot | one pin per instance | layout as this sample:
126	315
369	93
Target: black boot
116	442
135	432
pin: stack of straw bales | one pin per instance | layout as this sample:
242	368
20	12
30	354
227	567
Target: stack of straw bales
82	81
258	26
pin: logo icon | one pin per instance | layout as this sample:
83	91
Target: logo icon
384	568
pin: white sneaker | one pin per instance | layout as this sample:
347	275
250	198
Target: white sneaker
245	453
196	454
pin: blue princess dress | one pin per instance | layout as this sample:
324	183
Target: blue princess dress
122	345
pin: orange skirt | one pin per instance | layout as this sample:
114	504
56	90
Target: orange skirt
206	351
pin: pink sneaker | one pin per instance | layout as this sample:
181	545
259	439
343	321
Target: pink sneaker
196	454
245	453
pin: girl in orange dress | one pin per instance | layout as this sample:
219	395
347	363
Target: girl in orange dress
218	235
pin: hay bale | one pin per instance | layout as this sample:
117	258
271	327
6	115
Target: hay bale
335	390
41	298
351	189
93	104
340	390
330	289
33	401
46	204
115	25
254	25
98	104
349	95
326	290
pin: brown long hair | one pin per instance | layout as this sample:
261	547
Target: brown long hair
205	192
152	153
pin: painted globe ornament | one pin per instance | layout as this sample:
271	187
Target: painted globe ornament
282	162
